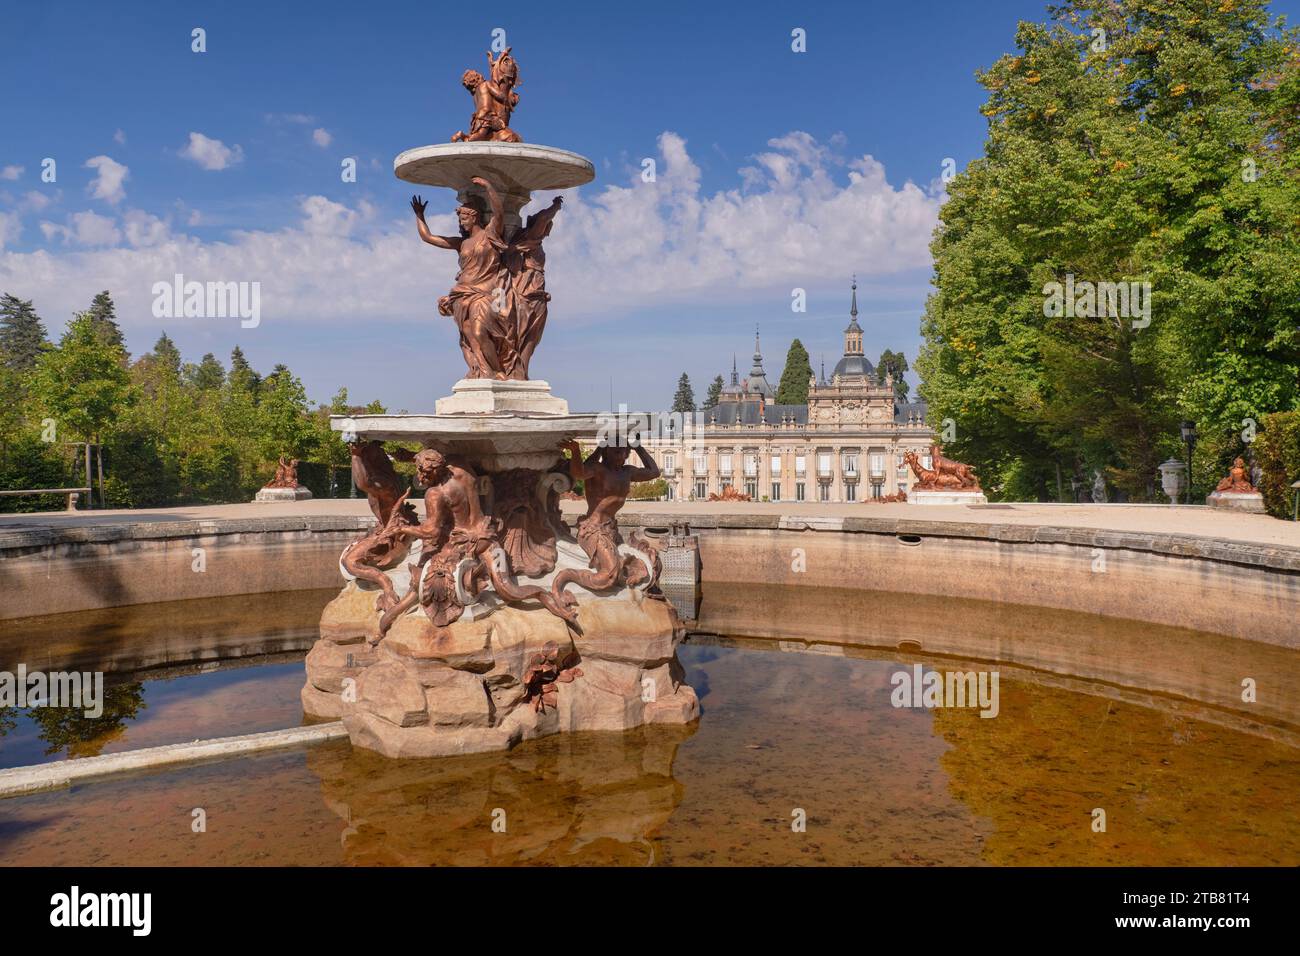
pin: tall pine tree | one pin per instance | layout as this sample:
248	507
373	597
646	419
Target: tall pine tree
684	400
793	388
714	394
103	318
22	335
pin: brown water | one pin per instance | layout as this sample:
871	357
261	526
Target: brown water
1183	779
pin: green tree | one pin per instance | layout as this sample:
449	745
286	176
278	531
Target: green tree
167	355
242	376
103	315
208	375
22	335
684	400
893	363
82	382
793	387
714	394
1159	155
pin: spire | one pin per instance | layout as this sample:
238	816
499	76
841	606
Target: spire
757	381
735	378
853	317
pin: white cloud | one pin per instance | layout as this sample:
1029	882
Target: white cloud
33	201
321	137
211	154
87	229
301	119
11	172
11	227
803	216
143	229
109	176
120	138
325	217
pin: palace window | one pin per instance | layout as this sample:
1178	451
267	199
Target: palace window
751	488
851	462
670	462
823	491
877	463
776	464
851	490
701	489
800	465
798	491
671	492
823	464
751	464
724	464
776	491
701	464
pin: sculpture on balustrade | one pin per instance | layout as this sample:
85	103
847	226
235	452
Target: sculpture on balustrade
943	473
286	474
1238	480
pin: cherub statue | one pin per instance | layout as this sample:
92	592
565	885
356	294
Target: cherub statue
494	101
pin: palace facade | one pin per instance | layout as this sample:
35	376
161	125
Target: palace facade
846	444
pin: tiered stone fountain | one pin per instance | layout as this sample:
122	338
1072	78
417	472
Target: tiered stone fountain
484	622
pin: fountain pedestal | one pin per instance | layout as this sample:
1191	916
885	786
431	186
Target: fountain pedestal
502	670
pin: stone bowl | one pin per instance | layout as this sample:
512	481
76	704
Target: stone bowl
519	168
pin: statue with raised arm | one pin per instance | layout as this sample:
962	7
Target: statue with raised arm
494	101
526	261
482	300
607	480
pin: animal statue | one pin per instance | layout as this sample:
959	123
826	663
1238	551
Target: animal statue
964	474
929	479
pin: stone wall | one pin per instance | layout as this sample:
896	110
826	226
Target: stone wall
53	571
1250	591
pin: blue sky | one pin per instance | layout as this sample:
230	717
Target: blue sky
765	183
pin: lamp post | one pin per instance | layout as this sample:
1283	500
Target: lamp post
1188	428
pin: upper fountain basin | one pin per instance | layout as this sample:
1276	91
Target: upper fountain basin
511	167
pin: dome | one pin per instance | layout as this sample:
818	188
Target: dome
855	365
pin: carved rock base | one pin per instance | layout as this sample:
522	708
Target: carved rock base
282	494
431	692
1250	502
953	497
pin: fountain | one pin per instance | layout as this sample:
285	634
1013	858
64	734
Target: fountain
486	622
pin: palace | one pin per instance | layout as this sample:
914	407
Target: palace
846	444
